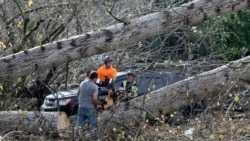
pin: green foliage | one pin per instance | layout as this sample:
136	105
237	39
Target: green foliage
224	38
230	35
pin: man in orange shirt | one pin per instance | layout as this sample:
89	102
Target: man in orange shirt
106	72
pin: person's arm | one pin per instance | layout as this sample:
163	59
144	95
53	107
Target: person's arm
95	100
95	97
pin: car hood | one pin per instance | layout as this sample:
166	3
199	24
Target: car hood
62	94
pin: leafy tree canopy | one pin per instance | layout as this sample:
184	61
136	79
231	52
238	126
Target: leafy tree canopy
229	34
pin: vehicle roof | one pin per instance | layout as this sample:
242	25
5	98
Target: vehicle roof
62	94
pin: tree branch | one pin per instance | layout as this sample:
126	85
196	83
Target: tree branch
112	15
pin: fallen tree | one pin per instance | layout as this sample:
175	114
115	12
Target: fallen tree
113	37
33	122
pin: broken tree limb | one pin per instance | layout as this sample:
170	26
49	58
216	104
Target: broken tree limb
168	99
113	37
27	121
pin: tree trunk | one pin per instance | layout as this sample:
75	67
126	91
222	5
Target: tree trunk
113	37
33	122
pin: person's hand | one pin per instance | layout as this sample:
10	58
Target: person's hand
99	107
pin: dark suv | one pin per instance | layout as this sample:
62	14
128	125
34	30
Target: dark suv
147	82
